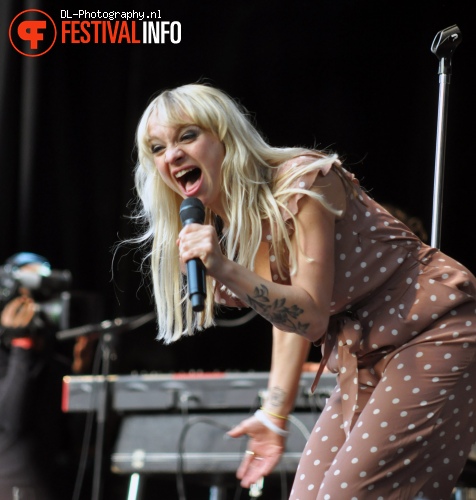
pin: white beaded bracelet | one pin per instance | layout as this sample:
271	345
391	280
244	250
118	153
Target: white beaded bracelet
261	416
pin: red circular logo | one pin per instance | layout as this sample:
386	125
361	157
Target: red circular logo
32	33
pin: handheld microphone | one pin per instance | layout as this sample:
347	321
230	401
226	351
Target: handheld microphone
192	211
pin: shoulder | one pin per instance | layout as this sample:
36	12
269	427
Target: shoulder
320	176
318	163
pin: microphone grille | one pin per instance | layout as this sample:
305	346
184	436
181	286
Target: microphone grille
192	211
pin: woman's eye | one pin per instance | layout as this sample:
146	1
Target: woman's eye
156	148
189	135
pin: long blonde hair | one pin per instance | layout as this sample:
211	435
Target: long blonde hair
251	195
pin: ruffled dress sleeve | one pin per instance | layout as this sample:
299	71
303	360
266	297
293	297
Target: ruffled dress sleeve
302	180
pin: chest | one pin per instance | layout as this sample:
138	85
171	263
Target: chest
262	262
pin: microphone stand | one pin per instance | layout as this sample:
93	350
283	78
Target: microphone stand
443	46
106	329
101	415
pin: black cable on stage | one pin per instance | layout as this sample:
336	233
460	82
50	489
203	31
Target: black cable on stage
180	466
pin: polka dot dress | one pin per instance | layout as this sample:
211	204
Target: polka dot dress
402	338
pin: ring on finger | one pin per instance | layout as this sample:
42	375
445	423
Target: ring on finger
249	452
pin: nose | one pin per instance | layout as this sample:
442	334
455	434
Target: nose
174	154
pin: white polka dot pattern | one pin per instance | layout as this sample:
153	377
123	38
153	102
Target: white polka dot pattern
402	339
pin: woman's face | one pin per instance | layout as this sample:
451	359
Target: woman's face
189	160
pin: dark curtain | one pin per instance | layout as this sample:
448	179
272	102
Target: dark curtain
354	76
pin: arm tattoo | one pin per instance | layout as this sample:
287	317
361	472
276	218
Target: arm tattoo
277	312
276	397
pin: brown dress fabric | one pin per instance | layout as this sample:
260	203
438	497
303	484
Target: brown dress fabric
402	339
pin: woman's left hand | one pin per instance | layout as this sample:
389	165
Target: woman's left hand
200	241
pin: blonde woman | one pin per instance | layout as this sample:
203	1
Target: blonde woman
290	233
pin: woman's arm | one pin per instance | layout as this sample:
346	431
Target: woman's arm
303	306
288	356
289	353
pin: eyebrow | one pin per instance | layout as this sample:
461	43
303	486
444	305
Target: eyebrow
180	128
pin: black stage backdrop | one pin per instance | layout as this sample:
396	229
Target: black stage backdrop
356	76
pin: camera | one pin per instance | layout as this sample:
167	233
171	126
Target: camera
48	287
46	281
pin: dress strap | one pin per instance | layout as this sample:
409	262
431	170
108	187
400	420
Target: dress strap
328	346
346	330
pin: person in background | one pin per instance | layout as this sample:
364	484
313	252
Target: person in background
415	224
31	424
290	233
